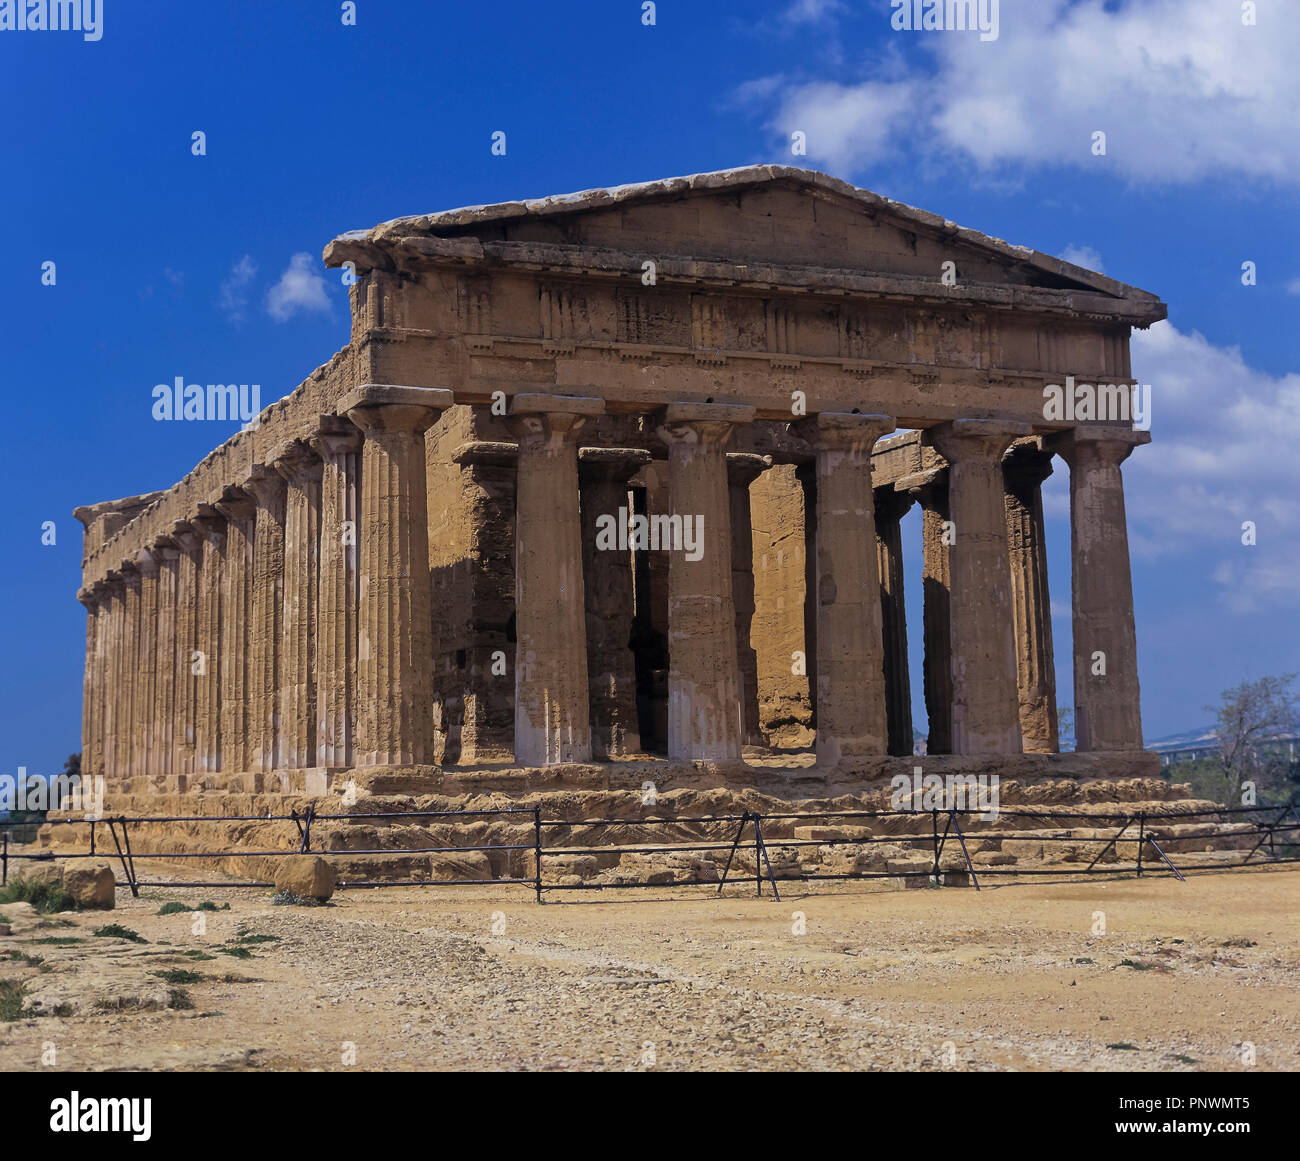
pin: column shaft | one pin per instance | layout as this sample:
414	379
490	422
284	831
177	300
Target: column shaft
168	586
267	627
240	511
129	672
985	702
146	699
891	507
742	471
208	742
188	597
1024	469
704	719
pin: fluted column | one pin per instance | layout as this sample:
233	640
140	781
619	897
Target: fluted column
168	554
704	719
552	714
207	709
603	475
891	506
851	714
188	616
1024	469
267	487
930	489
115	593
395	639
237	711
743	470
146	700
985	699
1107	698
336	626
91	686
129	672
302	470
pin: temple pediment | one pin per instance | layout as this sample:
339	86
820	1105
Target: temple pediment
758	226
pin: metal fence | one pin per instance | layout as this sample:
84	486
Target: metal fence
1144	830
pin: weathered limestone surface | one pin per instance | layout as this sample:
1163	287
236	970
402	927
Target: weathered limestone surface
395	631
552	713
851	714
332	589
1107	713
985	700
703	685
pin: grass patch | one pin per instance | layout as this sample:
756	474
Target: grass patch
193	953
55	923
46	898
23	957
117	931
179	976
11	999
60	940
1178	1056
288	899
177	908
1083	959
1137	965
244	937
1125	1047
237	952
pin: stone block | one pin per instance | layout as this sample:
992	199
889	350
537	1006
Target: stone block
307	876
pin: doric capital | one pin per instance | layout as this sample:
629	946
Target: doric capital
892	503
1027	463
379	407
335	437
186	535
234	503
264	484
551	419
615	464
843	430
1099	445
147	562
743	468
296	462
701	424
210	523
972	440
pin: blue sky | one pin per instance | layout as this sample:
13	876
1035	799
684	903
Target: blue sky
169	264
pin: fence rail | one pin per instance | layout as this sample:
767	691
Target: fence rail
1268	822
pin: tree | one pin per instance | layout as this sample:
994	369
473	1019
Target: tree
1251	714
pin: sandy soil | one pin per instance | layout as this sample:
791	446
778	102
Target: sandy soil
1012	977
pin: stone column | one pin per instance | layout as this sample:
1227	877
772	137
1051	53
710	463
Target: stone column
267	487
552	714
188	597
336	632
207	707
806	476
930	488
395	637
1107	709
743	470
704	719
128	674
851	714
1024	469
603	475
985	700
145	713
115	595
91	686
165	549
891	506
302	470
237	712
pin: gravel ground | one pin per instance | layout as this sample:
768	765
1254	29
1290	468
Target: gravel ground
1019	976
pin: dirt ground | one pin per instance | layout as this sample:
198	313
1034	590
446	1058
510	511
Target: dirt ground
1185	976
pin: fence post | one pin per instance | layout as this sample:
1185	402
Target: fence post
92	837
4	860
1142	838
934	830
537	851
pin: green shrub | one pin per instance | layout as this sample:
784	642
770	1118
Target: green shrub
46	898
117	931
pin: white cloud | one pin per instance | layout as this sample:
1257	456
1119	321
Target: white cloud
1084	256
812	11
1293	287
1223	452
233	298
301	288
1181	88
